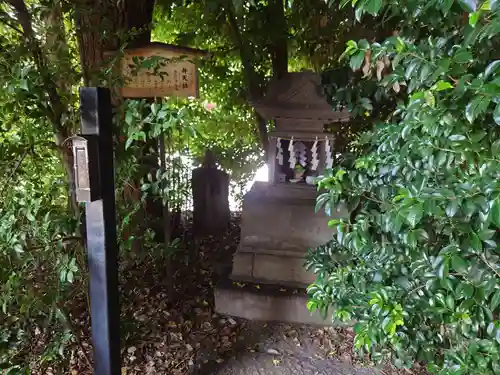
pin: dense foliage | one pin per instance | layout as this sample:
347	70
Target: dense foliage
47	49
416	263
42	260
41	256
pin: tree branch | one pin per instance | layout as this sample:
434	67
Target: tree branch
254	89
245	55
78	340
17	166
63	240
483	258
24	19
3	19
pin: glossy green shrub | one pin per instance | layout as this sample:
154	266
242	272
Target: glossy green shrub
416	263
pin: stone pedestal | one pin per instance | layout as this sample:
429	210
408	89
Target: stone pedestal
211	213
278	226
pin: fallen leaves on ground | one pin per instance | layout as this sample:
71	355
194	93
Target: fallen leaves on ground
162	335
178	336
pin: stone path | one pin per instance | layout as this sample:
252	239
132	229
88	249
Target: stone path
283	349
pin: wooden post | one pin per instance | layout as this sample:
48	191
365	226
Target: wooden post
102	248
271	161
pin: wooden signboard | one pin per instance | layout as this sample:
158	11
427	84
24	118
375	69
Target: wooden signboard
177	77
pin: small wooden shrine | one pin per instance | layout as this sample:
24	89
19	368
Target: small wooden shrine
300	147
279	223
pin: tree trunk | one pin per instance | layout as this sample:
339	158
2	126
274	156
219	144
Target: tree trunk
87	20
138	17
57	52
103	25
55	49
278	50
279	45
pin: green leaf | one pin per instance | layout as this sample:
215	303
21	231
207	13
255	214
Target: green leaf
410	69
469	5
477	136
312	305
473	18
468	290
334	223
352	44
356	60
353	203
476	107
496	114
475	242
495	147
458	263
414	214
486	234
491	328
430	99
358	13
441	86
141	136
24	84
463	56
441	158
469	208
447	4
494	365
396	223
321	201
491	68
62	275
155	107
443	270
129	118
363	45
457	137
129	142
487	5
452	208
495	300
350	49
373	6
450	302
495	213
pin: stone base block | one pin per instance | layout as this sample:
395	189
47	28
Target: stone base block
268	268
279	225
265	306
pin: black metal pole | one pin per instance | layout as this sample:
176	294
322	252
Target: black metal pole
102	248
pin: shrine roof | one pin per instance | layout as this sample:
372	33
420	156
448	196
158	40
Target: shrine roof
298	96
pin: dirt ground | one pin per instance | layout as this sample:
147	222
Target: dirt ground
184	336
279	349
